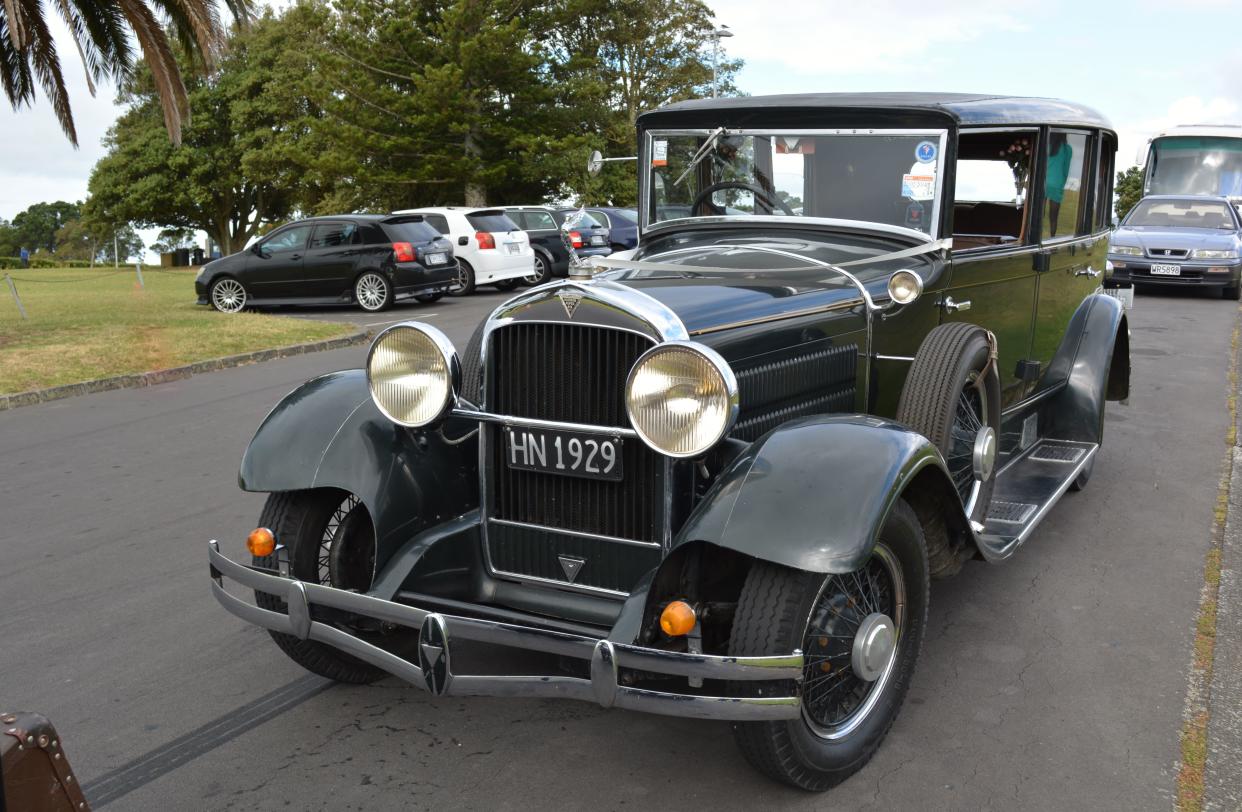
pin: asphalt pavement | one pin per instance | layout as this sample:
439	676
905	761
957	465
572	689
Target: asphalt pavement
1054	681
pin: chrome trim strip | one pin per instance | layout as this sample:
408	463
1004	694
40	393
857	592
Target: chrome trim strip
536	423
849	304
580	534
605	657
906	358
535	579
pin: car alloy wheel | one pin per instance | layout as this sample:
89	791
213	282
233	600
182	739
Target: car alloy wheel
228	295
541	274
371	291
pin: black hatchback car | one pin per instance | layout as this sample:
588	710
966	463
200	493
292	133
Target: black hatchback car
363	259
543	225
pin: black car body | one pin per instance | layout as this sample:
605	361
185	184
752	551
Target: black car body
544	226
368	260
1179	240
713	477
622	226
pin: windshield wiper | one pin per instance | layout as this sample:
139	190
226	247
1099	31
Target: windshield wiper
702	153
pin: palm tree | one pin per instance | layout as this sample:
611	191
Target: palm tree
101	31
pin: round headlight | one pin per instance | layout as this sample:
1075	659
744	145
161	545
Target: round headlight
681	398
413	373
904	287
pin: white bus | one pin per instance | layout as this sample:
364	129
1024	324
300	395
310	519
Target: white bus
1194	160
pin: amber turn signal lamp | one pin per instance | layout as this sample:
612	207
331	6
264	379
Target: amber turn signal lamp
677	619
261	542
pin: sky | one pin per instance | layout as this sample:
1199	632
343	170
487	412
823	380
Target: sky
1144	64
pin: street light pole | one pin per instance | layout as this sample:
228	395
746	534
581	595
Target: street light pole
717	35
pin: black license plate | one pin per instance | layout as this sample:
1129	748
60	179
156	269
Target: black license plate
569	453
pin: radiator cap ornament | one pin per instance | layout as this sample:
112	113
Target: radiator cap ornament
571	566
569	300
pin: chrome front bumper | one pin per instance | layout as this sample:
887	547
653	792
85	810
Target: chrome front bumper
434	673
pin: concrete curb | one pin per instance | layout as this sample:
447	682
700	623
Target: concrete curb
158	376
1222	777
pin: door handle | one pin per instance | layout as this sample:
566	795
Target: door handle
951	306
1087	271
295	256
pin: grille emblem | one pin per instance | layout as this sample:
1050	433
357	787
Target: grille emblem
571	566
569	301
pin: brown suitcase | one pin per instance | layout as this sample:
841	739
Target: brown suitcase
34	770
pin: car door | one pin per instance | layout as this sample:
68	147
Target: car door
1073	243
541	228
994	279
275	270
330	259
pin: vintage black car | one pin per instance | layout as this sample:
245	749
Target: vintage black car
715	477
368	260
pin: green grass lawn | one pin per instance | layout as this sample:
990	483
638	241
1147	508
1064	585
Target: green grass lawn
85	324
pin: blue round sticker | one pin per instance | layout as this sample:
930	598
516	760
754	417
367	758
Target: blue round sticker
925	152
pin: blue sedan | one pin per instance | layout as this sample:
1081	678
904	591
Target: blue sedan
1179	240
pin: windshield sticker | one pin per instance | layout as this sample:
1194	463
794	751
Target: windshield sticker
659	154
918	187
925	152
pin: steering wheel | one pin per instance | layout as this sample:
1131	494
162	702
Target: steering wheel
760	195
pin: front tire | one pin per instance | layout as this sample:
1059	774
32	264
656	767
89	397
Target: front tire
845	715
463	283
227	295
1232	293
373	292
330	540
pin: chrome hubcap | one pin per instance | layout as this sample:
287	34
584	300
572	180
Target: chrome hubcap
983	456
228	296
372	290
534	278
873	646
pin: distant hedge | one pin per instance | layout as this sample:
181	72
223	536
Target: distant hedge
7	263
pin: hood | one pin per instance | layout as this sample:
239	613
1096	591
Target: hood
714	284
1149	237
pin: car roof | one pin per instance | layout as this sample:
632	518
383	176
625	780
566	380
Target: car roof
962	109
462	210
1191	198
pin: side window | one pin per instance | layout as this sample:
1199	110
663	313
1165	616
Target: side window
539	219
992	189
1104	183
518	217
291	239
437	221
332	235
1066	184
600	216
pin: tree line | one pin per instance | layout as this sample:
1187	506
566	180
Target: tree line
67	231
363	105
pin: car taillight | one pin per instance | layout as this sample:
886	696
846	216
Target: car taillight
485	240
404	252
576	239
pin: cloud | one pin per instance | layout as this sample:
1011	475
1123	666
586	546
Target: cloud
880	36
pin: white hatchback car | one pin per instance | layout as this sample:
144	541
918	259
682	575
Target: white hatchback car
491	249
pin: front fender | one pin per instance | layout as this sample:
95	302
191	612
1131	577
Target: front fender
813	493
328	433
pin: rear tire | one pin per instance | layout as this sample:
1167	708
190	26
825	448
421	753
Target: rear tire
463	283
373	292
782	609
304	521
542	273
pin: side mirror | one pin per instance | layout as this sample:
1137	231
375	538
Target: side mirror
463	240
257	249
595	163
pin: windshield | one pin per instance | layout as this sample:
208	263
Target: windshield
877	177
1195	165
1180	214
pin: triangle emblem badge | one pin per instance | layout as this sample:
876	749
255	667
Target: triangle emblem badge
569	301
571	566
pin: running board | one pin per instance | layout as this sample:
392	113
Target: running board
1026	488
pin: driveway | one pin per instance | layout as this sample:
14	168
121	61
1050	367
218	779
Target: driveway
1055	681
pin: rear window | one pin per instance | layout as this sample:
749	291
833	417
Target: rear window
411	231
587	220
628	215
493	221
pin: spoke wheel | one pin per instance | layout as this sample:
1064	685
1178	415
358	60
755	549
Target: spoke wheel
850	644
228	295
372	292
969	437
463	282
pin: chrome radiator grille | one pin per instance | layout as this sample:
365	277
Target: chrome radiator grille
576	374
